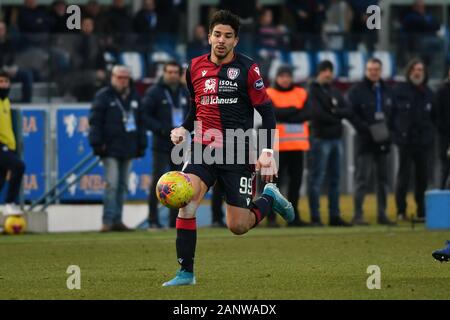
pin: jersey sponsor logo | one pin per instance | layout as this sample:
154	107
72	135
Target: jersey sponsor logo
210	86
259	84
204	72
207	100
228	86
233	73
257	70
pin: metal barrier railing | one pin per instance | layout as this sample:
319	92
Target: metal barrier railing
51	196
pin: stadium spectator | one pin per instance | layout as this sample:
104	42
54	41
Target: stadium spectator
119	23
216	207
292	110
309	17
146	20
173	12
88	63
165	106
8	64
358	25
413	132
93	10
58	17
199	44
371	101
33	19
117	135
443	126
9	160
270	36
328	110
417	20
420	29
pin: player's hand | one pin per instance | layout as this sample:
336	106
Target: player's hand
267	166
177	135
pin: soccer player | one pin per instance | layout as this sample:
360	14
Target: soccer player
225	87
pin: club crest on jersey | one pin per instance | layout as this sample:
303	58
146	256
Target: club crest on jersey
210	86
233	73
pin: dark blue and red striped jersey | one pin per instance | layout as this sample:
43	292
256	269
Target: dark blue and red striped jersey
223	96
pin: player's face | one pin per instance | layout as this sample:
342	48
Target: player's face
172	75
4	83
373	71
222	40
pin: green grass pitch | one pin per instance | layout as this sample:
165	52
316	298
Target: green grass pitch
284	263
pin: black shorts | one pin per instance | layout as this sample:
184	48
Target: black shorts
237	180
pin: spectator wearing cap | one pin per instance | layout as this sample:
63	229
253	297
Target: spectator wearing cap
328	109
292	111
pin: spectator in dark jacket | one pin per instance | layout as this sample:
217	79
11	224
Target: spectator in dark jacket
146	20
34	24
33	19
328	109
117	134
413	132
58	17
8	64
371	101
443	125
166	106
419	21
358	26
199	44
309	16
88	63
119	23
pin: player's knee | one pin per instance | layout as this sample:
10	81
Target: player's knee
237	228
188	212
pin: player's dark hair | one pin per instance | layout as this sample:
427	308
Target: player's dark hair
4	74
174	64
227	18
325	65
375	60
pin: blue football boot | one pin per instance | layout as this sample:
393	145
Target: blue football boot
280	204
442	254
183	278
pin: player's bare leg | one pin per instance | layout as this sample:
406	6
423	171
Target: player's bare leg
187	235
240	220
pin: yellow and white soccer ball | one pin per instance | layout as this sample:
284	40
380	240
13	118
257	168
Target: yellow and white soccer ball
174	189
15	225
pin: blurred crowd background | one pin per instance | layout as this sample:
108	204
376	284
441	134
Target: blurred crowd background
50	63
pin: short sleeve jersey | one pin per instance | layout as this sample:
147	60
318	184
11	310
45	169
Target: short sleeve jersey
224	96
